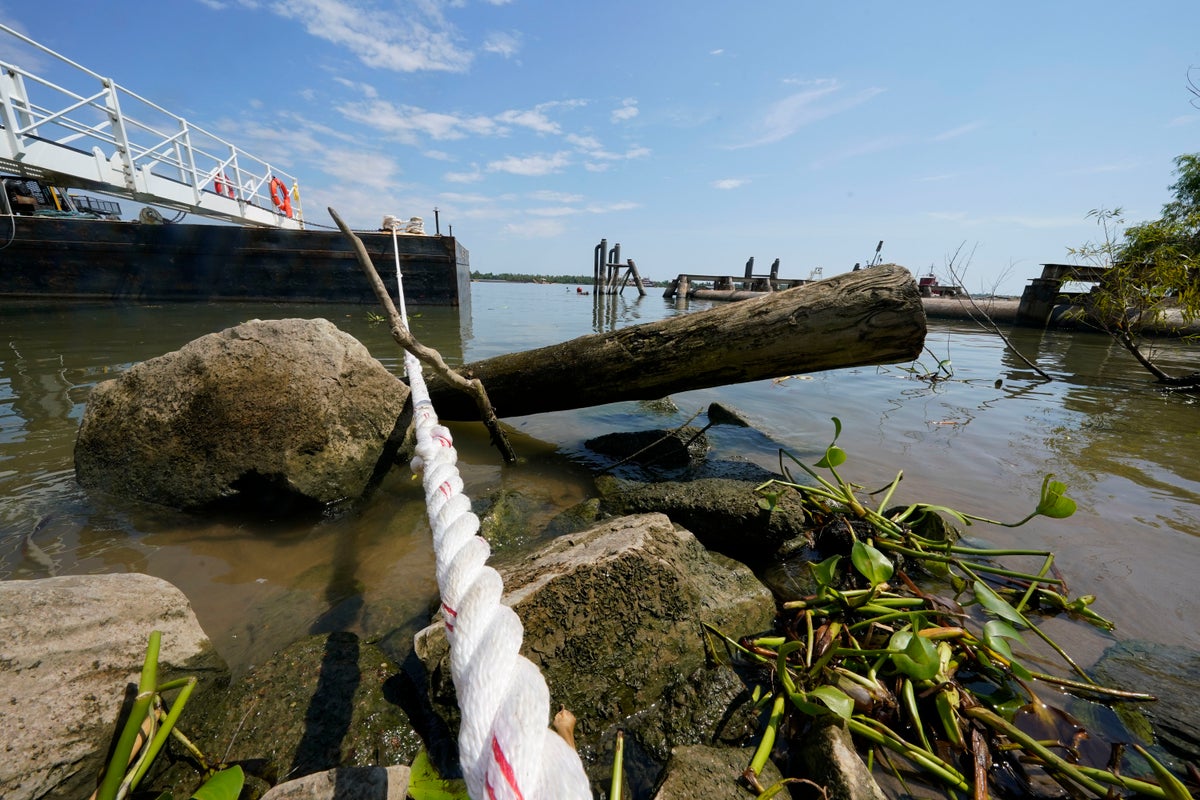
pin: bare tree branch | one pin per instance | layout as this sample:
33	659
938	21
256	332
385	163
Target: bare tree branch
427	355
957	275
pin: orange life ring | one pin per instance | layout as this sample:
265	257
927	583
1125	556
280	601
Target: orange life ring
223	186
279	196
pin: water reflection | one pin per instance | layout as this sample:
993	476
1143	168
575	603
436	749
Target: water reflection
1125	449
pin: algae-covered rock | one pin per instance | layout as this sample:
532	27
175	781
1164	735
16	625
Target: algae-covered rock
612	618
325	702
725	515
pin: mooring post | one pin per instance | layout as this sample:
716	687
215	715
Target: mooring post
774	274
637	279
749	274
598	265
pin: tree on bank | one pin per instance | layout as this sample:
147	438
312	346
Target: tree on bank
1153	272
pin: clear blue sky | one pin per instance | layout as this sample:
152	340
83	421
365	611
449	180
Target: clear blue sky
695	133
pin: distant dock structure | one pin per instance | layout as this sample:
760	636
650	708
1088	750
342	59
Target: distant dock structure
728	287
609	275
1044	294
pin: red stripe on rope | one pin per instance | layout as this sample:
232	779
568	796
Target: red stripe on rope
445	488
510	777
452	614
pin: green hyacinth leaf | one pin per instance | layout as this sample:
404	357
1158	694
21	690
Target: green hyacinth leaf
834	457
871	564
996	604
834	699
996	634
224	785
915	656
1055	503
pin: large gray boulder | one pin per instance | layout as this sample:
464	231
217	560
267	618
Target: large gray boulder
70	647
612	617
265	413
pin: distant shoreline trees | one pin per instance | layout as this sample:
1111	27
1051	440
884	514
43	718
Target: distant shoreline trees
519	277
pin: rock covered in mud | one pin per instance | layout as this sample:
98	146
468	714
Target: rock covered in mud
267	414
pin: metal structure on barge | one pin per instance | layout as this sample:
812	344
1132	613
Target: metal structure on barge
254	245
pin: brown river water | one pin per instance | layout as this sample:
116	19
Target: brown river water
980	442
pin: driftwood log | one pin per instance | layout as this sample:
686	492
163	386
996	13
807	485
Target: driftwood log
872	316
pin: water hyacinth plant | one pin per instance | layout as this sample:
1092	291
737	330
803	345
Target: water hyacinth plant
145	732
927	679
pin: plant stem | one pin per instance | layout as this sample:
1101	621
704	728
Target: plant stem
618	774
122	754
767	742
1053	762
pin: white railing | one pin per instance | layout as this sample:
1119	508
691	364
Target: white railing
103	137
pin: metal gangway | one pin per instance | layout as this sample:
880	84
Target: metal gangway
102	137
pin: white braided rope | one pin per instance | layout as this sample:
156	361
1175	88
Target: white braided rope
505	745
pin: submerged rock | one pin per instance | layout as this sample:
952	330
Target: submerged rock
726	515
72	648
658	448
1172	674
269	415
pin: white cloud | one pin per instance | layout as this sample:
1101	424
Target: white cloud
459	197
627	111
502	44
554	211
954	133
547	196
593	149
1185	119
536	229
419	39
365	89
716	52
729	183
362	169
533	119
822	100
531	165
474	176
609	208
406	123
